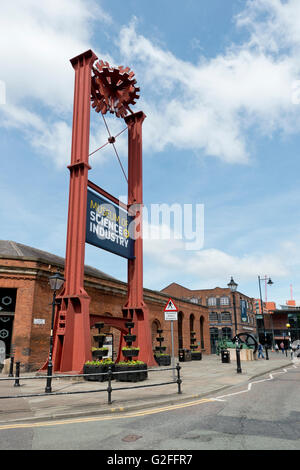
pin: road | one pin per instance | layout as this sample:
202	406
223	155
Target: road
259	416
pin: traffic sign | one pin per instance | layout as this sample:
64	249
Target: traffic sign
171	316
170	306
171	312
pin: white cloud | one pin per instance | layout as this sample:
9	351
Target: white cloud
210	266
211	105
207	106
40	38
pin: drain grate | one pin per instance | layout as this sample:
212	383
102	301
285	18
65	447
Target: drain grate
131	438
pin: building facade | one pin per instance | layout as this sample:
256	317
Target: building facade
225	321
25	306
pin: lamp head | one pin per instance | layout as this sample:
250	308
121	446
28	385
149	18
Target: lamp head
232	285
56	281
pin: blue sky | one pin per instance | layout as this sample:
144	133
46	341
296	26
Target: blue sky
219	85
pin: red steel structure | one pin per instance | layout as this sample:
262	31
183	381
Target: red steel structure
113	90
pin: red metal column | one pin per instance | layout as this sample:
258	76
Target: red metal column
135	307
72	328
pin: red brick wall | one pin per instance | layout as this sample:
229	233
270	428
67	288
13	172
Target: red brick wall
34	298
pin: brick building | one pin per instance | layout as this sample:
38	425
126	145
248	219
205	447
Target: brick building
219	302
25	305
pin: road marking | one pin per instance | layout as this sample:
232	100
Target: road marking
105	418
137	413
256	382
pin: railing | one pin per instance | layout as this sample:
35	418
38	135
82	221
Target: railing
110	375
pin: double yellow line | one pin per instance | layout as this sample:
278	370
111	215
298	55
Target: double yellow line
105	418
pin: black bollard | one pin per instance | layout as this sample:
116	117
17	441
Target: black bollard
238	360
17	383
109	388
179	381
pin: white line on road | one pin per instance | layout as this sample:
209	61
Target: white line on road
255	382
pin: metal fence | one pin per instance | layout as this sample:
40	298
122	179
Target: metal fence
110	376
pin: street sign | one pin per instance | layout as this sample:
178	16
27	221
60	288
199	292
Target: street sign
170	306
171	316
171	311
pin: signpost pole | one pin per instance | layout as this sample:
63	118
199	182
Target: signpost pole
173	358
171	312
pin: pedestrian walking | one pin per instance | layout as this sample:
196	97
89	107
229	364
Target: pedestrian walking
276	348
282	347
293	350
260	351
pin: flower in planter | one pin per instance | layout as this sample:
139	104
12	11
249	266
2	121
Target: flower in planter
98	363
129	351
99	368
100	349
131	371
130	363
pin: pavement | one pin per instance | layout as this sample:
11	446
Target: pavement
200	379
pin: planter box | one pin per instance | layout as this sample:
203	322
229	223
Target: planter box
130	338
196	355
160	348
99	353
245	355
130	352
93	369
100	339
140	373
164	360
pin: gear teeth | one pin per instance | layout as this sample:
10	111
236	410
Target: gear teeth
113	89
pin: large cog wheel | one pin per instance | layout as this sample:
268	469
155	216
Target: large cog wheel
113	89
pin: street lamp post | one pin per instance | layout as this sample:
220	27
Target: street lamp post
233	286
270	282
289	338
56	281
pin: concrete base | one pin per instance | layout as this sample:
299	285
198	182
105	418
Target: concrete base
6	366
245	354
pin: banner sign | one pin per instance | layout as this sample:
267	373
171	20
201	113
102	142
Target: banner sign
108	226
243	305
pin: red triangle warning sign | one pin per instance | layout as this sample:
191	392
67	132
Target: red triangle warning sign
170	306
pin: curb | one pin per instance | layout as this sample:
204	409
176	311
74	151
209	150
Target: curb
128	408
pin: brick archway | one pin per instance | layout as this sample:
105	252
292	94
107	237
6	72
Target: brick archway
154	327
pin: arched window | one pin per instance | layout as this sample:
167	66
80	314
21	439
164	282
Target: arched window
226	333
224	300
226	316
214	336
202	332
213	316
179	322
154	327
192	318
211	301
